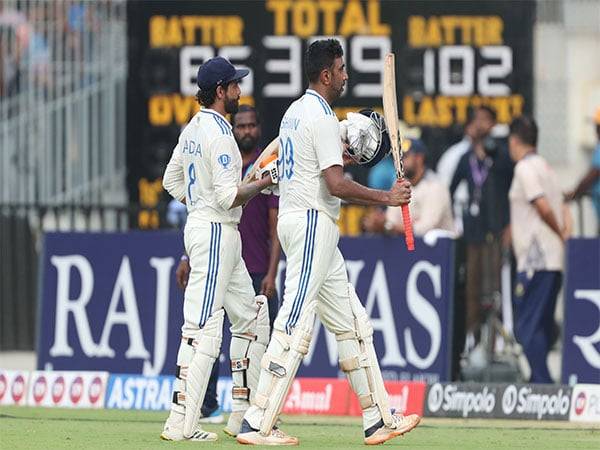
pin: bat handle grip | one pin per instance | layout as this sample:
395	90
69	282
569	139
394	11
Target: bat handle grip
408	231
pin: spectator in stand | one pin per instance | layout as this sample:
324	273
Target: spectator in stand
446	168
25	52
383	175
14	37
487	169
38	54
430	202
591	181
540	224
81	24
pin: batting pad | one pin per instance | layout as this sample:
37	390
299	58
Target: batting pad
359	360
207	347
246	351
279	366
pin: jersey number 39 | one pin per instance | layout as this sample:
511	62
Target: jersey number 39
285	162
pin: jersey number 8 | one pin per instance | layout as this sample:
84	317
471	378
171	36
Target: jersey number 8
192	178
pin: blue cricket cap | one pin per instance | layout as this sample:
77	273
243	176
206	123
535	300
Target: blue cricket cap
217	71
414	145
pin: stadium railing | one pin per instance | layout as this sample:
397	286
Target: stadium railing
63	72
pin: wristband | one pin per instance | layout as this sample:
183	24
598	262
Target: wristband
184	257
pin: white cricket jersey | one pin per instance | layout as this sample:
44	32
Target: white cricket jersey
536	245
206	169
309	142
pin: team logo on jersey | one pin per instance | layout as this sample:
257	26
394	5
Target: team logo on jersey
224	160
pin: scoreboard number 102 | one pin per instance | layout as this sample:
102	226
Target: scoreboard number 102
489	76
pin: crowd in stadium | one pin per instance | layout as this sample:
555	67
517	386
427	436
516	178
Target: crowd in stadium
34	39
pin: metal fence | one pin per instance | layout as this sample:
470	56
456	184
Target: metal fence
62	101
63	71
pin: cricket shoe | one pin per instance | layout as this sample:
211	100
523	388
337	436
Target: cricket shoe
234	424
215	417
380	433
173	431
251	436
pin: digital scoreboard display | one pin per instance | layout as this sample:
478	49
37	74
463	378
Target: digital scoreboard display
450	56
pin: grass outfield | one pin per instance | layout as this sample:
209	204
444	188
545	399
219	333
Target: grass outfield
22	427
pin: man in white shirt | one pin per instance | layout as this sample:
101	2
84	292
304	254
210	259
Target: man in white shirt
539	227
205	173
430	207
446	167
311	184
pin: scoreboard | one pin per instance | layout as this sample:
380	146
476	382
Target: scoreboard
450	56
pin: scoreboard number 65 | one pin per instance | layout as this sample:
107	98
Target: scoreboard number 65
283	64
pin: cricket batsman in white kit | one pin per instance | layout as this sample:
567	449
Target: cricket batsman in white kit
311	184
205	173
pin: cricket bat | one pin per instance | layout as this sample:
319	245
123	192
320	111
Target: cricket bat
271	151
390	112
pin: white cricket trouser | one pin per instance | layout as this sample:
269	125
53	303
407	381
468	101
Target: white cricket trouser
315	272
218	278
316	275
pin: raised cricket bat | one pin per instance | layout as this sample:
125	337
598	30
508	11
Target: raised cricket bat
390	112
271	151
